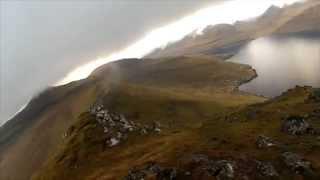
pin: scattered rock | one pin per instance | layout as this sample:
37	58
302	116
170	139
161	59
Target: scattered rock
152	171
96	108
296	163
222	169
156	127
146	129
157	130
143	131
105	129
167	174
266	169
113	142
154	168
264	142
116	126
296	125
231	118
135	175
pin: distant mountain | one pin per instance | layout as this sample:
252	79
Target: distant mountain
225	40
306	21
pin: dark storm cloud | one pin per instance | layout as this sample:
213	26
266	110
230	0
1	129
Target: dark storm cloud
41	41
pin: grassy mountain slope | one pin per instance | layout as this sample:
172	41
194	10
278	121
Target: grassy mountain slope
182	77
180	93
24	151
191	123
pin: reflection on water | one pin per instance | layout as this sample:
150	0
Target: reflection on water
281	63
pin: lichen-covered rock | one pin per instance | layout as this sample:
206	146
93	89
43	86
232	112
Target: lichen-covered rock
266	169
296	163
264	142
221	169
296	125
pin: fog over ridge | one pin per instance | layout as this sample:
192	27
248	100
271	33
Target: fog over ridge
41	41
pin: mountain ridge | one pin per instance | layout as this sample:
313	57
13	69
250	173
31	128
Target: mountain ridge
159	77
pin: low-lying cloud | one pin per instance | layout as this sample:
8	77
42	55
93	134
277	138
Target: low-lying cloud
41	41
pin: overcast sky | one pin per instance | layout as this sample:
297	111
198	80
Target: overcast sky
41	41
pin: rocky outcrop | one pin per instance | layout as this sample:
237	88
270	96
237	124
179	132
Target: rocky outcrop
221	169
296	125
296	163
167	174
266	169
152	171
118	127
264	142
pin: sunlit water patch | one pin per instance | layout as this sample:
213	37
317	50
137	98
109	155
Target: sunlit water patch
281	63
